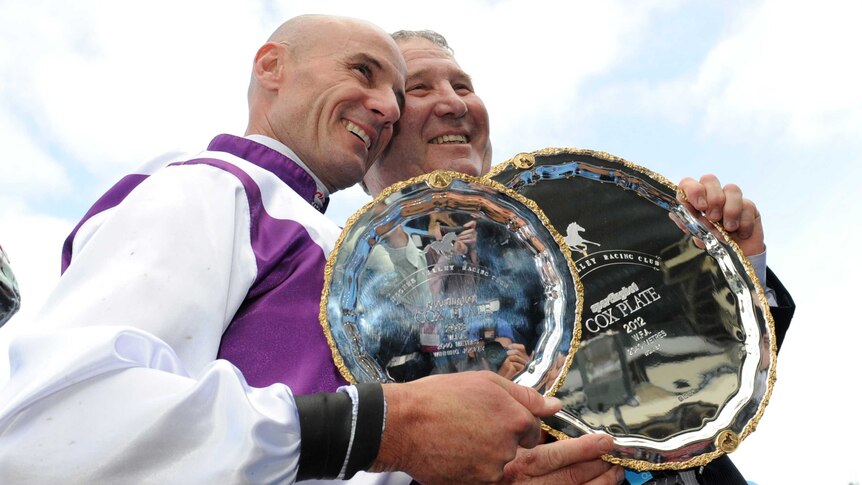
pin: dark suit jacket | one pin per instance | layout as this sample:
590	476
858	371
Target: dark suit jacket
722	471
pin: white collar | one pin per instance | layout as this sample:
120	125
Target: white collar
286	151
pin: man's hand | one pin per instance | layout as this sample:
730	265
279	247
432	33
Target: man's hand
725	205
459	428
516	360
466	243
574	461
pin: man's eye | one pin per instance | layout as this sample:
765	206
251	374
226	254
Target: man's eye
363	69
463	88
417	87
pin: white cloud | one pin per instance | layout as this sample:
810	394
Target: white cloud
531	63
114	84
790	70
27	170
784	73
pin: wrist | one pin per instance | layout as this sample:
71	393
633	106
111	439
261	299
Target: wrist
340	432
395	439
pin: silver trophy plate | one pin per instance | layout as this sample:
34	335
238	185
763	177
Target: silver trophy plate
10	297
677	353
447	273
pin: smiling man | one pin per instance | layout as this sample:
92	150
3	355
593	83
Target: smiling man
189	303
444	125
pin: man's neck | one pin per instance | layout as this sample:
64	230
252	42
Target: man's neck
286	151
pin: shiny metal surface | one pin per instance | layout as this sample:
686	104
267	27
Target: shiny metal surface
676	359
10	297
446	273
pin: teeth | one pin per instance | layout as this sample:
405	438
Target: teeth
449	139
358	132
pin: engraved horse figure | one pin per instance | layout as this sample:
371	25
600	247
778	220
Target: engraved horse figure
574	240
444	247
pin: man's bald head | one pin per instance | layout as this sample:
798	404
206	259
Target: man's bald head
330	88
302	33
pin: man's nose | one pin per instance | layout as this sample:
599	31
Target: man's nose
384	103
450	104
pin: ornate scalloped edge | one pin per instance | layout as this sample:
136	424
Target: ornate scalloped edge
484	181
642	465
705	458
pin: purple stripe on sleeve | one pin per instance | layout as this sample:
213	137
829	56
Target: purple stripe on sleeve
276	335
112	197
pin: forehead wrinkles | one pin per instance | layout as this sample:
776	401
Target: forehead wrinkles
439	72
432	62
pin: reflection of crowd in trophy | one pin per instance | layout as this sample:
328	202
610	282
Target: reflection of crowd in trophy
444	287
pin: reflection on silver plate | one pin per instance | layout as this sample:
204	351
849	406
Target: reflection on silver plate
676	359
446	273
10	297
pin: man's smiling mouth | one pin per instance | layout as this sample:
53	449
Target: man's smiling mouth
359	132
445	139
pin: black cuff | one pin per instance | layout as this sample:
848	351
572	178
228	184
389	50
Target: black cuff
783	313
325	424
369	428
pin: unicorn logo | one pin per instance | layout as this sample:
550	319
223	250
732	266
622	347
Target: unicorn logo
574	240
444	247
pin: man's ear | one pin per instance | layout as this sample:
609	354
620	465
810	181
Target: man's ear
486	159
269	65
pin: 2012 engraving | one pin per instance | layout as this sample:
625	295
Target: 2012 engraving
619	305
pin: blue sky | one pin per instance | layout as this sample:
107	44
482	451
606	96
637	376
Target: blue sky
763	94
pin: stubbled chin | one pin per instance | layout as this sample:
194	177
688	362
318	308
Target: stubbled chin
462	164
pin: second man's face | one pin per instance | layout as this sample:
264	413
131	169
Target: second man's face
444	124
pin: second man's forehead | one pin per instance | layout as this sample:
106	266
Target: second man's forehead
427	61
449	71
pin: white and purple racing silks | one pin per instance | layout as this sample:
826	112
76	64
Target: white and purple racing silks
189	303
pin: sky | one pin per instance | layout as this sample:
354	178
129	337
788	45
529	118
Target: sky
764	94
